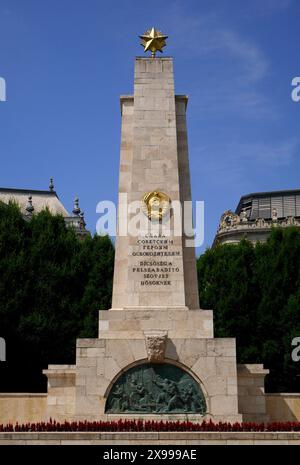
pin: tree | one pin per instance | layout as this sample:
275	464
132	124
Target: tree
254	291
52	285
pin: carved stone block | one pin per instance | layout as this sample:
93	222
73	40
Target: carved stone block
156	345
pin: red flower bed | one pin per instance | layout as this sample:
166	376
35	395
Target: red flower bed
147	425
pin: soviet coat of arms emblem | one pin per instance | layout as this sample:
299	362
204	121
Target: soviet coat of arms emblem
156	205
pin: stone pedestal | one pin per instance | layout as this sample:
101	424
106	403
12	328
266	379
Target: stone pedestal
135	336
132	337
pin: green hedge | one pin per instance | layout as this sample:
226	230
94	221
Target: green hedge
52	285
255	294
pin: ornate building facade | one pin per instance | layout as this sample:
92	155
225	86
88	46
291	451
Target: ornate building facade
256	214
33	201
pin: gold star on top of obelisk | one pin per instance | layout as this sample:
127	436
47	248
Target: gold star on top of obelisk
153	40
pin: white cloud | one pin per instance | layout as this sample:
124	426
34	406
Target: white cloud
253	64
234	66
234	71
208	35
269	7
260	154
235	162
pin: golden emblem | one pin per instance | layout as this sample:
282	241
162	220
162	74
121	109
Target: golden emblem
155	205
153	40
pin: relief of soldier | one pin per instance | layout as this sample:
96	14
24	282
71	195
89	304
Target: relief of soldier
143	389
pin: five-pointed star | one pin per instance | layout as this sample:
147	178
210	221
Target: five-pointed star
153	40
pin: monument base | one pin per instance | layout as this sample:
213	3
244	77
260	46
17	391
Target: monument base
134	342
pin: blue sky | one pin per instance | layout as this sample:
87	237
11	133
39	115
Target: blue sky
66	62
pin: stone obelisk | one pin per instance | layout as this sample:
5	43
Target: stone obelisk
151	270
156	354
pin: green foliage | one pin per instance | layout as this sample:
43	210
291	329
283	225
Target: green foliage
52	285
255	294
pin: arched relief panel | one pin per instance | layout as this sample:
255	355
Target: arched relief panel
156	388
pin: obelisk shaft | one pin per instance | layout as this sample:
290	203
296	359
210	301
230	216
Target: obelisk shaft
153	271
